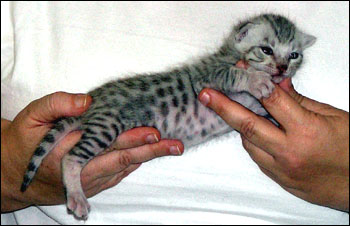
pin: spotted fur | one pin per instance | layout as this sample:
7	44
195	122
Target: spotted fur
168	100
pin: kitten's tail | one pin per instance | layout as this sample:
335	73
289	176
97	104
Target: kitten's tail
48	143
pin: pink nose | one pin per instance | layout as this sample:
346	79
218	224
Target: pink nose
282	68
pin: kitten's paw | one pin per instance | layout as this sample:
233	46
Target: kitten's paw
78	204
260	84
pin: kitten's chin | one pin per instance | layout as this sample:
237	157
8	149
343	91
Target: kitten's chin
278	78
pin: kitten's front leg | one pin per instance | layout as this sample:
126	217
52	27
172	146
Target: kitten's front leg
257	83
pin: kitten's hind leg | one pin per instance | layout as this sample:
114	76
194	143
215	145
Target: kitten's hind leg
97	136
72	165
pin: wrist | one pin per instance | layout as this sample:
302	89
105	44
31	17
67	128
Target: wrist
9	202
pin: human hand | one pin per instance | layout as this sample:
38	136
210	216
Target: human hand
20	137
308	155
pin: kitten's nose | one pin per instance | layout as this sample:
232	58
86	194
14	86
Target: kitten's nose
282	68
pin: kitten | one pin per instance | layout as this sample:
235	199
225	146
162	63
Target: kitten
272	46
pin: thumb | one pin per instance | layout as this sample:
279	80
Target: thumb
307	103
57	105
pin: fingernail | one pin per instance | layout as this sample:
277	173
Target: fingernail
80	100
152	138
205	99
175	150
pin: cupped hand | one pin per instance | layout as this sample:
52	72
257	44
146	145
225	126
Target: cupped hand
20	137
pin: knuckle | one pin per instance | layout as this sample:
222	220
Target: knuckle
246	144
158	151
154	154
298	97
248	127
52	99
124	159
310	131
294	165
274	99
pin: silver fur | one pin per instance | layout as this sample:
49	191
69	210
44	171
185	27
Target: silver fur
272	46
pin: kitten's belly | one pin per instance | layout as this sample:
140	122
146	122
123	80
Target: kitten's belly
196	125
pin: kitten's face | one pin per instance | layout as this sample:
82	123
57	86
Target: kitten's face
272	44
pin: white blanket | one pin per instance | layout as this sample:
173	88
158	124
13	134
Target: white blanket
74	47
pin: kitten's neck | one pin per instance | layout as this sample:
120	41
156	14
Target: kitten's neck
210	72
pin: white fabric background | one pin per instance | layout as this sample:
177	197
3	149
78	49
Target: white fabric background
74	47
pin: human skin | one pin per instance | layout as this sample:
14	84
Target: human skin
314	171
307	155
20	137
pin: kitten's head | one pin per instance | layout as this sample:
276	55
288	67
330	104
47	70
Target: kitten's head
270	43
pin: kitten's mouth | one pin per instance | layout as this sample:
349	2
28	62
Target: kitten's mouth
277	75
277	78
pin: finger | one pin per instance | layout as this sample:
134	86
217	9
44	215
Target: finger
94	186
137	137
116	161
68	142
272	175
307	103
285	109
151	151
259	156
117	178
256	129
57	105
242	64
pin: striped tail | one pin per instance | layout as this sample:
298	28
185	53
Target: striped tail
48	143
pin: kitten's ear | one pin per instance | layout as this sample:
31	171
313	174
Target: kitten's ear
243	31
306	40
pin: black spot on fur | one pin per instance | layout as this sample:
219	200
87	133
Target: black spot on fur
170	90
150	100
195	108
165	125
59	127
31	166
156	81
149	115
123	92
175	101
177	118
107	113
90	131
96	124
49	138
164	109
25	183
115	128
160	92
100	143
69	120
107	136
185	99
180	85
144	86
166	79
204	133
40	151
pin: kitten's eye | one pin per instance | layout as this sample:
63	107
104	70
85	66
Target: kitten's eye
267	50
293	55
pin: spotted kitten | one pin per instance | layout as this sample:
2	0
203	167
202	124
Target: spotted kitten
272	46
